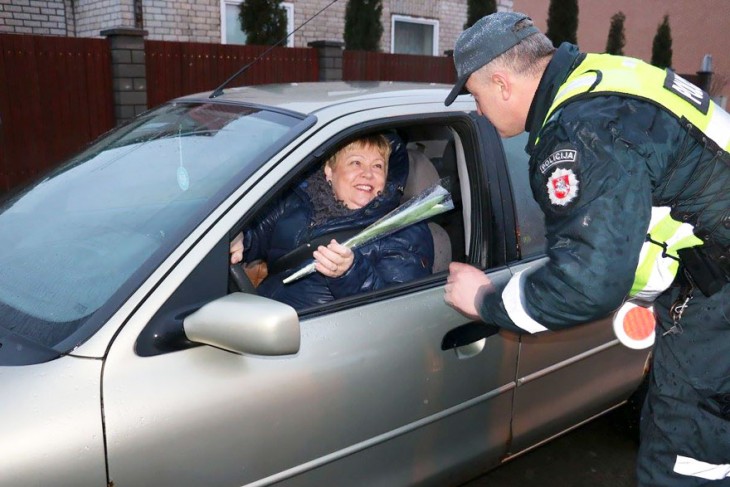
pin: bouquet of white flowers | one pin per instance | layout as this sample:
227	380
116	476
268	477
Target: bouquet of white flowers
431	202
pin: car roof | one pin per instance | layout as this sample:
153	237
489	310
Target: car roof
308	98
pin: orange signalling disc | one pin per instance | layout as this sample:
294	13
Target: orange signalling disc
634	325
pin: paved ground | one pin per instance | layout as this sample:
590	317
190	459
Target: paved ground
599	454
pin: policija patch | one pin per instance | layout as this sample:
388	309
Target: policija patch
561	168
562	186
560	156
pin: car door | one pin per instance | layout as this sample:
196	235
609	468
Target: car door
568	376
390	389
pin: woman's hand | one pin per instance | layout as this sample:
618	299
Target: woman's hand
236	248
333	260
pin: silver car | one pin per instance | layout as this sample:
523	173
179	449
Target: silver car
130	357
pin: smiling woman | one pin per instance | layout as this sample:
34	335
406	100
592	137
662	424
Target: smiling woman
352	190
357	172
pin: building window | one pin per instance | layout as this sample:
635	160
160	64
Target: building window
231	32
413	35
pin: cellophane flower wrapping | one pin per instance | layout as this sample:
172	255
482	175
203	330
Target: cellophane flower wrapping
431	202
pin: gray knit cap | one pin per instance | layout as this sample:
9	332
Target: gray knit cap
485	40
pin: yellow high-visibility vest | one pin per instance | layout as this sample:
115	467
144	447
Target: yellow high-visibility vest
602	75
605	74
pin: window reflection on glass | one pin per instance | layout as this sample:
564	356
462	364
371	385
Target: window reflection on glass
530	218
232	32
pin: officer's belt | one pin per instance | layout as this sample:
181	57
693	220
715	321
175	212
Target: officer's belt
708	266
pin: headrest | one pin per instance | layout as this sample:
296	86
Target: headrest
422	174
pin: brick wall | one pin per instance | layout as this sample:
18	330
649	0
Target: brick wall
45	17
411	8
505	5
195	21
328	26
69	18
200	20
93	16
451	15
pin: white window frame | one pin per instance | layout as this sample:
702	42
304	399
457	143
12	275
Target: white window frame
288	6
415	20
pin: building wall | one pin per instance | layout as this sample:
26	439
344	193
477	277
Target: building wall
69	18
451	15
327	26
702	29
194	21
200	20
330	25
44	17
93	16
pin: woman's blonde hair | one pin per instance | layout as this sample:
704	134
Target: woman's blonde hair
377	141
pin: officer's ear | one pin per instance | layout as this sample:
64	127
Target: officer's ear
502	82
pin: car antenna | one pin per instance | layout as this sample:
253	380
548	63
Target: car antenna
219	91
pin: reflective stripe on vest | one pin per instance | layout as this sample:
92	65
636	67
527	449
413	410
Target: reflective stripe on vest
658	266
658	261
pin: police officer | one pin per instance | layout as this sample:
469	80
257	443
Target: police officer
630	165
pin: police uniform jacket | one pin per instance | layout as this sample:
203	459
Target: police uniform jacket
598	166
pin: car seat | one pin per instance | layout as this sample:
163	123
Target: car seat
422	175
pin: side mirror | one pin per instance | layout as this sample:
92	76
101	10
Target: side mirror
245	323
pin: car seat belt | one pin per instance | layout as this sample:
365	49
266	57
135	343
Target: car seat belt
295	258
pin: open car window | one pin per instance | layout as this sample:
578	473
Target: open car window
432	160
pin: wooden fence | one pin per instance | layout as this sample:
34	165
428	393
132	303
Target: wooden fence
56	93
55	96
378	66
175	68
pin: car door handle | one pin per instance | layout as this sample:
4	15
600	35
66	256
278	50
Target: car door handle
470	333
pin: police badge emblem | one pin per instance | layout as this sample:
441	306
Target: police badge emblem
562	186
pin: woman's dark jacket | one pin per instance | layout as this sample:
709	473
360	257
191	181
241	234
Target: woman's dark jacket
288	224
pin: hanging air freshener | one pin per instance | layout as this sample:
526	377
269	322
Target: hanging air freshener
183	179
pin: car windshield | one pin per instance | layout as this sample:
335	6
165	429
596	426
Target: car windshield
94	228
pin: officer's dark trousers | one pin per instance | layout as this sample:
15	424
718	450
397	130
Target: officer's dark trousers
685	423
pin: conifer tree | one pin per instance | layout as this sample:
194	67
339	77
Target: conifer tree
562	22
661	48
263	21
362	25
616	37
476	9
